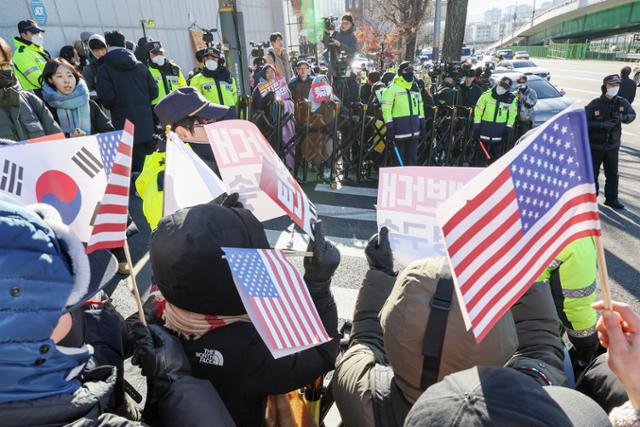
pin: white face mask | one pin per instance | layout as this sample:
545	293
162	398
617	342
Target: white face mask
38	39
211	64
613	91
500	90
159	60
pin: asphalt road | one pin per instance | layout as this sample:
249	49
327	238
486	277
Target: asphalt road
349	214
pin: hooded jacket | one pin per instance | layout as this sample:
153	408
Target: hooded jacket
24	116
402	108
125	86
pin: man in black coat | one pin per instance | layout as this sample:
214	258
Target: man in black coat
604	116
627	85
469	91
125	86
345	39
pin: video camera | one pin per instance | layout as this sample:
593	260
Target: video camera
446	69
207	36
257	50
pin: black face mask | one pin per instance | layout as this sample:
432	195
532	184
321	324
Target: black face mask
7	78
408	76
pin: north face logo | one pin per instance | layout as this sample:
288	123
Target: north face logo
211	357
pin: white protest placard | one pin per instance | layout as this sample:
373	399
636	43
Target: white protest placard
407	201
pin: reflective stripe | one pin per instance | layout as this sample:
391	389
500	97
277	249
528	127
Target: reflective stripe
487	138
404	135
31	70
582	333
579	293
388	102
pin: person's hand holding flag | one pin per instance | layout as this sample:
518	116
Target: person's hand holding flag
319	268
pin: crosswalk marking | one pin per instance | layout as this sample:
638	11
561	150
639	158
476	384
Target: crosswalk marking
297	241
346	212
352	191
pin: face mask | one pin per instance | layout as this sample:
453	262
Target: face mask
38	39
7	79
408	77
500	90
211	64
159	60
613	91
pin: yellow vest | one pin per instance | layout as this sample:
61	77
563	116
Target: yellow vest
28	63
215	91
167	82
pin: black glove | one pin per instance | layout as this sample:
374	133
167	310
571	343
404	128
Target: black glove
160	356
423	128
506	134
232	201
390	135
476	133
319	268
378	252
610	124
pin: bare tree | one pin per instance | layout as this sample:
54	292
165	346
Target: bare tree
406	15
455	24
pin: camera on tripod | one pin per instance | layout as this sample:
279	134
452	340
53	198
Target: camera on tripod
257	49
207	36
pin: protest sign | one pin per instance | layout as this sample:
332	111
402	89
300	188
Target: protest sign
276	181
407	201
321	92
239	148
279	87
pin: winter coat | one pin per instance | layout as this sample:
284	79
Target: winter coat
280	61
90	73
241	368
628	89
527	99
29	119
348	41
468	96
99	120
300	88
601	110
126	87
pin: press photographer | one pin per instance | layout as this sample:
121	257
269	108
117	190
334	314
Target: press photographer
341	45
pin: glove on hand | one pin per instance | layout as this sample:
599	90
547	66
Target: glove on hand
391	132
232	201
476	133
378	252
610	124
161	358
319	268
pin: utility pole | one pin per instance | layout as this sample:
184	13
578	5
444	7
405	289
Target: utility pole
232	30
533	13
436	32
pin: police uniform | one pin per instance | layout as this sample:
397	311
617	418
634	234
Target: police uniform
494	117
403	114
217	86
29	59
604	117
168	76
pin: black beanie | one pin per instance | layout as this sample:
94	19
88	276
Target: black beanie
347	17
186	256
114	38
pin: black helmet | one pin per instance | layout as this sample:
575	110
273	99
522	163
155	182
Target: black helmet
405	67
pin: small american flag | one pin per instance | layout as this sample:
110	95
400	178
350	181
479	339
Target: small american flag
507	224
276	299
110	224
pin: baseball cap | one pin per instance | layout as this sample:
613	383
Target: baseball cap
612	79
497	396
29	25
187	102
155	47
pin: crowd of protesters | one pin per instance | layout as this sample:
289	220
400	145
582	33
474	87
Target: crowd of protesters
408	360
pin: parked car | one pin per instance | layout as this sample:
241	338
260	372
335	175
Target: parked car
505	53
523	67
550	100
522	54
636	74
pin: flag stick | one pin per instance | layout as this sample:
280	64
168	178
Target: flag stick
289	252
604	275
136	293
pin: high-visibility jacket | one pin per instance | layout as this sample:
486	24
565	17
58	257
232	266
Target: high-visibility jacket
572	276
150	187
494	115
29	60
168	78
402	106
216	91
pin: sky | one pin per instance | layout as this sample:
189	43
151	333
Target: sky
477	8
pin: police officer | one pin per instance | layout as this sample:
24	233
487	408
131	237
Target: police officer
494	116
447	93
604	116
215	83
199	66
403	114
167	74
29	57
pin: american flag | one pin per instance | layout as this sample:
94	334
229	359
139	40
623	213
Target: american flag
277	300
110	224
507	224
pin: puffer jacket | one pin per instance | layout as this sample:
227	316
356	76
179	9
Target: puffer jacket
125	86
527	99
24	116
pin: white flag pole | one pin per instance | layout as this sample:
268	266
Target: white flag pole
603	274
134	291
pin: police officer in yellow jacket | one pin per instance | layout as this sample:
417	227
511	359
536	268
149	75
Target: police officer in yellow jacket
167	74
495	113
572	277
215	83
403	115
186	111
29	57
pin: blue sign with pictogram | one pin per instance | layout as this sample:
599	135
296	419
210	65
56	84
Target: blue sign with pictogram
39	12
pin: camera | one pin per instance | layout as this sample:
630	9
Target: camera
207	36
257	49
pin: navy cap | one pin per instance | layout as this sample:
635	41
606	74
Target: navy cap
211	51
187	102
154	47
29	25
612	79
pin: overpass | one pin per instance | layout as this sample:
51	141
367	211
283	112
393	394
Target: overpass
578	22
